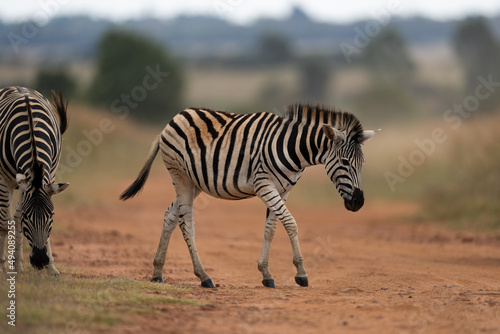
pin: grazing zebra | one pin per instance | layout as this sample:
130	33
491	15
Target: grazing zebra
235	156
30	147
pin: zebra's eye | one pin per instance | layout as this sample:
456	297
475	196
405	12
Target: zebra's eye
345	162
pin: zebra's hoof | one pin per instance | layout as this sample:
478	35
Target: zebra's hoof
269	283
157	279
208	283
302	281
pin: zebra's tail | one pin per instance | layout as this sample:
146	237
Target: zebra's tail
137	185
61	110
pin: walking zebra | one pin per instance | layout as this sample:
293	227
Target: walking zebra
30	147
234	156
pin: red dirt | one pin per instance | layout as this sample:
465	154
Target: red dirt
369	272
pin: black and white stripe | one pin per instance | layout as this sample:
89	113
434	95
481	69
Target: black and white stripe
236	156
31	131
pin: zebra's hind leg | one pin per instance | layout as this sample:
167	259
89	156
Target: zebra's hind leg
170	221
186	193
269	229
18	254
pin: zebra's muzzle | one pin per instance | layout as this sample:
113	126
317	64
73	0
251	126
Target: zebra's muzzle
356	202
39	258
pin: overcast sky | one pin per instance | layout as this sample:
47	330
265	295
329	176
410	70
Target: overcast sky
244	11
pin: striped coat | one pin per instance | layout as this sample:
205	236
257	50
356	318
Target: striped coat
235	156
31	131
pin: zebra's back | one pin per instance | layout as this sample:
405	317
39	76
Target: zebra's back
217	150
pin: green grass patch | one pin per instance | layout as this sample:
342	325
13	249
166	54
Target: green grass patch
77	303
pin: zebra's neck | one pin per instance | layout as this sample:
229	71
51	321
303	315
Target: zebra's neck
302	143
299	145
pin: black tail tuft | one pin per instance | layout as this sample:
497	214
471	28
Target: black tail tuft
61	109
137	185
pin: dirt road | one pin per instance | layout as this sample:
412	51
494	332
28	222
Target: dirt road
369	272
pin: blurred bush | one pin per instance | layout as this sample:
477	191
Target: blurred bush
385	102
135	75
469	196
55	79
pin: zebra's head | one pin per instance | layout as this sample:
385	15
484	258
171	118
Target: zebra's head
37	211
344	161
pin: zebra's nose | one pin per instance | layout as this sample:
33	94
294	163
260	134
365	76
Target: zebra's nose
39	258
356	201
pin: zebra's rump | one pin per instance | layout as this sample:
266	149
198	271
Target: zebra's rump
15	133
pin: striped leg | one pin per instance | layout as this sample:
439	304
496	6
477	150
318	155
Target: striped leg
3	239
270	196
5	217
51	268
19	238
170	221
186	193
269	229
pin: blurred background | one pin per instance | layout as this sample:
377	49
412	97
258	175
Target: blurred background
428	74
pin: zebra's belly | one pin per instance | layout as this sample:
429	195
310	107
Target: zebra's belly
228	186
229	196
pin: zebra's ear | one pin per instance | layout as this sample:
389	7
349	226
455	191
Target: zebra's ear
22	182
368	134
333	134
55	188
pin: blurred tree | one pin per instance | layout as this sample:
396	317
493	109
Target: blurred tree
274	48
274	94
388	58
315	73
384	102
136	76
479	52
48	79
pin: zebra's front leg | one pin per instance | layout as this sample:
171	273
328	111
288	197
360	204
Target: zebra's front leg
275	203
269	229
18	253
170	221
51	268
5	222
3	256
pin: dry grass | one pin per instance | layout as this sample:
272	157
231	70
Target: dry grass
113	155
467	196
79	303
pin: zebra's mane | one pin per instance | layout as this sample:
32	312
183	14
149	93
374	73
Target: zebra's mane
318	114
